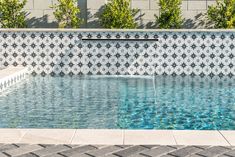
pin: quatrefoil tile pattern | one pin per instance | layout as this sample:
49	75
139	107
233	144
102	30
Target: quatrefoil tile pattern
206	53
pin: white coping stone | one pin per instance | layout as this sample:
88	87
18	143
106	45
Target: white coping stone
48	136
98	136
149	137
116	137
115	30
11	135
199	137
229	135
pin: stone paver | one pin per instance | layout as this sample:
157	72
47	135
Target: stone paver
27	155
53	155
230	153
130	151
2	154
77	150
213	151
7	147
186	151
106	150
158	151
51	150
23	150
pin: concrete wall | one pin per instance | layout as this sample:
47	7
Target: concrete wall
41	15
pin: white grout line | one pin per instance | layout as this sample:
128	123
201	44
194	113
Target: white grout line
224	137
71	140
123	137
23	135
174	138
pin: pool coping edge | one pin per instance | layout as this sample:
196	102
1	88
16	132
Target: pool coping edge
118	137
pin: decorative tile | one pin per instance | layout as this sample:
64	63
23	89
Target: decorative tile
64	53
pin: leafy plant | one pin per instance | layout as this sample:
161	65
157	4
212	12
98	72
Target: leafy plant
222	14
67	12
118	14
170	14
12	14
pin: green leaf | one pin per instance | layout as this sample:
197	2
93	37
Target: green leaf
170	14
12	14
117	14
67	14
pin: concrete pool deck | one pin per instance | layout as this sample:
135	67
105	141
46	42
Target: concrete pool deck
117	137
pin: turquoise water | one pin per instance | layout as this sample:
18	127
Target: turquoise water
120	102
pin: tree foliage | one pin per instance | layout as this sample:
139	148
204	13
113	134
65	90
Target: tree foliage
170	14
67	14
222	14
12	14
118	14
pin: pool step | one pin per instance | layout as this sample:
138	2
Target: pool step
11	75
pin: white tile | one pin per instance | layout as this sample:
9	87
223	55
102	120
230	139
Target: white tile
230	136
198	137
137	137
48	136
89	136
11	135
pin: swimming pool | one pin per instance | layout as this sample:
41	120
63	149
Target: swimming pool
160	102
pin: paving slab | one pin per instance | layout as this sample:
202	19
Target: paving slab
98	136
11	135
229	136
158	151
186	151
77	150
116	151
27	155
8	147
102	151
230	153
51	150
48	136
104	137
3	155
149	137
130	151
198	137
23	150
214	151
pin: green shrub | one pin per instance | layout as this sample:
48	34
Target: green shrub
117	14
66	13
11	14
170	14
222	14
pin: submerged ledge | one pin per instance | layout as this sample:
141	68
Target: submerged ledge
118	137
11	75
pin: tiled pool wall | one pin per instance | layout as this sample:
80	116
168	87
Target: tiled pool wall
177	52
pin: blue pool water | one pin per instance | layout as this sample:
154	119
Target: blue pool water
120	102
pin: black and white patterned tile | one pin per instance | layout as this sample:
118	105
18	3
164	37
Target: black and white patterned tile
175	53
